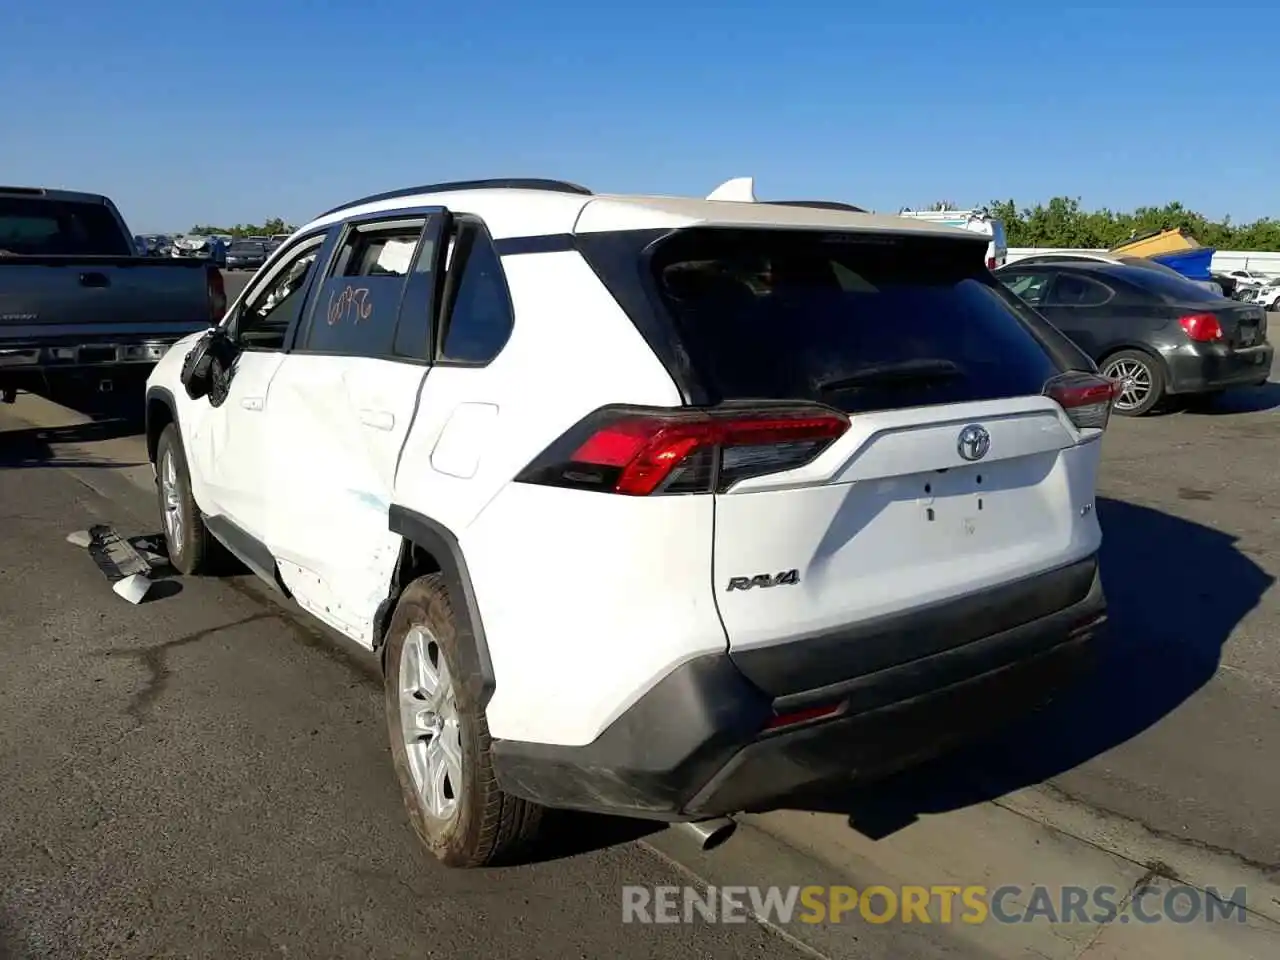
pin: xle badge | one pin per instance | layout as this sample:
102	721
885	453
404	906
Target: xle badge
786	578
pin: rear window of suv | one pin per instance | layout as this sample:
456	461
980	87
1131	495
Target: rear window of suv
856	321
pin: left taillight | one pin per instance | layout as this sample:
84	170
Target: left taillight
1085	398
217	293
640	452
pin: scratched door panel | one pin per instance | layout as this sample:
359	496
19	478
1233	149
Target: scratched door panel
340	423
230	445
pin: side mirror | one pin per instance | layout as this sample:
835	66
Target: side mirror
208	364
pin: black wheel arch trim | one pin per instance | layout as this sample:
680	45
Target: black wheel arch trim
165	396
473	647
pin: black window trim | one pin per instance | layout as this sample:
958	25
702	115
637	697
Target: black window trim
269	273
343	231
475	229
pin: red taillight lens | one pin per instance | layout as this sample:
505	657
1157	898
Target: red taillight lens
801	716
639	452
1201	327
991	263
1085	397
217	293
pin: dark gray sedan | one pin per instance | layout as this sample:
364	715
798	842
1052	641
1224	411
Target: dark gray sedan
1158	335
246	255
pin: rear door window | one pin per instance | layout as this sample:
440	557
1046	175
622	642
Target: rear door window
857	321
1072	290
356	308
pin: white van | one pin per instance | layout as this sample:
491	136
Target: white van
974	220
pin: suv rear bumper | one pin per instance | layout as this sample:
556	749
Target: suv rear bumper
698	744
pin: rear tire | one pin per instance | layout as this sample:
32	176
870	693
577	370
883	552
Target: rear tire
440	741
1145	379
189	544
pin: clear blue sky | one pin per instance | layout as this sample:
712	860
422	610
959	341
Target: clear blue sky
223	111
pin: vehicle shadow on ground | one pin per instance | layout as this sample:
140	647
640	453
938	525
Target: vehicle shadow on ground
1168	624
1246	400
566	834
112	416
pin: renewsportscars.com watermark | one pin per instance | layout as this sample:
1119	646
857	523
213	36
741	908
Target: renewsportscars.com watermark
940	904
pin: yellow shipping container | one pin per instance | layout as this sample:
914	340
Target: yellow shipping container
1154	244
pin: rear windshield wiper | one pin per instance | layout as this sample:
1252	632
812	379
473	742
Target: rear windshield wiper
906	372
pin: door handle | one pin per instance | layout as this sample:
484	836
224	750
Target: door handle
94	280
251	403
378	419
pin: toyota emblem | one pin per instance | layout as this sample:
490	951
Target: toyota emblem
974	442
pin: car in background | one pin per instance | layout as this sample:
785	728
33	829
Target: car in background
1268	295
276	240
1213	286
247	255
1247	278
200	247
77	302
1158	336
975	221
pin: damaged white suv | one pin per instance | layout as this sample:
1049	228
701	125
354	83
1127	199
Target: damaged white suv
654	506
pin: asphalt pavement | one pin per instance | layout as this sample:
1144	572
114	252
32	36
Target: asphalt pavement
206	774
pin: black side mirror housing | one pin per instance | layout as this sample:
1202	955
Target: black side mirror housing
211	355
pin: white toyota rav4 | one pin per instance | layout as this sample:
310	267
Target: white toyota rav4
661	507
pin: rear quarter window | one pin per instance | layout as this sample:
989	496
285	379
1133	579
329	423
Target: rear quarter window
860	322
1169	287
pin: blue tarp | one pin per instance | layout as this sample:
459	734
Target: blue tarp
1192	264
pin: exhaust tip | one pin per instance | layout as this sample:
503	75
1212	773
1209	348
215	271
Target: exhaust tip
709	834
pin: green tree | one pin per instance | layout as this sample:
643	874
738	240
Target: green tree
1063	223
273	225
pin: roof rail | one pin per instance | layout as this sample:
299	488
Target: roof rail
817	204
513	183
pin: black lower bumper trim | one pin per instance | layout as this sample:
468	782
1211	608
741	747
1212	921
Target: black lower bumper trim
698	743
1219	368
655	756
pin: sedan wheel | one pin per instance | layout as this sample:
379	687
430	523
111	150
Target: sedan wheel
1140	380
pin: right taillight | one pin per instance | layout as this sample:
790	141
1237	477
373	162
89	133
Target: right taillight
1201	327
644	451
1085	397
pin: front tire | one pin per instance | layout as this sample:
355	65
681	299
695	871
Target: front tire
440	739
187	539
1142	381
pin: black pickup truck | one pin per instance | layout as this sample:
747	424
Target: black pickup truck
77	301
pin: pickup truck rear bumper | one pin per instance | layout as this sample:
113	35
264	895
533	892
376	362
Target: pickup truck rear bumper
82	355
31	366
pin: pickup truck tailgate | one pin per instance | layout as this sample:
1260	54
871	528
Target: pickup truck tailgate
47	299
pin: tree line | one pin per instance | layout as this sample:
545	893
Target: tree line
1062	223
272	226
